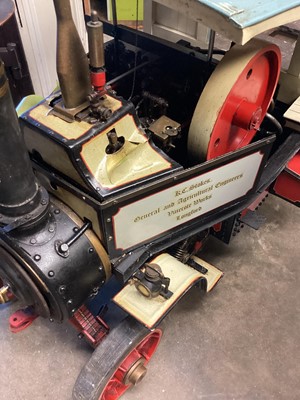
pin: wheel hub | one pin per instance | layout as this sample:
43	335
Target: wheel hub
136	373
247	116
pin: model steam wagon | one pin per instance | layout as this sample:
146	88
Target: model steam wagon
122	174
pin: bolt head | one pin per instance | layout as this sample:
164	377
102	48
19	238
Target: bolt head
64	247
62	289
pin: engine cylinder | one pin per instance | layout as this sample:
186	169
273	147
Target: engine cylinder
51	266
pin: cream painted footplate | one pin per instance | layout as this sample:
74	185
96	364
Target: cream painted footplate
150	310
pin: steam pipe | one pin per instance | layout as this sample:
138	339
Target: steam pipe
96	51
18	186
115	33
95	38
71	60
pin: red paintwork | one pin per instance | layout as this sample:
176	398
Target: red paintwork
287	185
294	164
246	104
21	319
98	80
257	202
217	227
146	348
93	329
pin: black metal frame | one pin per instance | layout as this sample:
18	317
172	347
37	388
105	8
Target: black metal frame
111	207
125	266
126	263
147	42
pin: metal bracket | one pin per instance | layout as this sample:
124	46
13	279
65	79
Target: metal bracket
9	56
253	219
22	319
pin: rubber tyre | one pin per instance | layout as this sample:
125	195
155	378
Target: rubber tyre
107	357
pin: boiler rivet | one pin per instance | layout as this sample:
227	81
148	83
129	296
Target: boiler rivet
62	289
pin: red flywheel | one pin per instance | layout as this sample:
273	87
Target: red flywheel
235	100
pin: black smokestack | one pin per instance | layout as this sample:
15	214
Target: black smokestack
18	187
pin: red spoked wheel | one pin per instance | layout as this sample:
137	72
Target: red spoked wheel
235	100
118	363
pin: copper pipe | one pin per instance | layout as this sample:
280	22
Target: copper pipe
71	60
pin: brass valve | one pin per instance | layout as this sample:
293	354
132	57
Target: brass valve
4	294
151	282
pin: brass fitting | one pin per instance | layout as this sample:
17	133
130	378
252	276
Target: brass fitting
4	294
95	38
136	373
